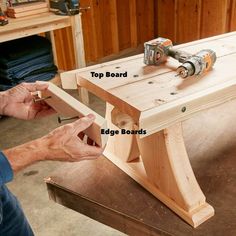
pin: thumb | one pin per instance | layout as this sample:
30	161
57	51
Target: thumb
83	123
38	86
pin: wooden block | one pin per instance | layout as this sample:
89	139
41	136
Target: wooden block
27	7
27	13
68	106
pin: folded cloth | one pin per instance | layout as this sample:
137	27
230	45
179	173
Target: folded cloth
46	67
27	67
33	78
17	51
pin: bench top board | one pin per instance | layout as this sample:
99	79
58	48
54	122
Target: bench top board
153	96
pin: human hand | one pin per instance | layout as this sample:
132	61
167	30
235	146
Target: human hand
66	142
19	102
62	144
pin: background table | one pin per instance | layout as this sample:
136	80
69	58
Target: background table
103	192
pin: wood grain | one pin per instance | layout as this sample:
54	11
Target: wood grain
214	17
161	86
68	106
165	26
188	16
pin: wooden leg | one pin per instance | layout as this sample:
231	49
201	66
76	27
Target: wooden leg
124	146
78	42
163	169
83	95
167	166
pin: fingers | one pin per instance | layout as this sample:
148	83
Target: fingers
37	86
83	123
45	112
92	151
90	141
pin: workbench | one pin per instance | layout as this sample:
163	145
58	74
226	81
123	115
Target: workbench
47	23
153	102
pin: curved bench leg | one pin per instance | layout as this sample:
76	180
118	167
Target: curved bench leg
168	168
124	147
163	169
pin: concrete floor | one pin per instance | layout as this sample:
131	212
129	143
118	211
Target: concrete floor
46	217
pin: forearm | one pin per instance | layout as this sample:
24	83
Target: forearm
26	154
3	102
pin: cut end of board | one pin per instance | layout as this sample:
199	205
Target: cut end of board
66	105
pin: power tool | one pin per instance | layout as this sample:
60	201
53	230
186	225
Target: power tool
3	18
65	7
157	51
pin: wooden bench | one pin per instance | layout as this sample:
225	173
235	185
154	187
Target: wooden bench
151	98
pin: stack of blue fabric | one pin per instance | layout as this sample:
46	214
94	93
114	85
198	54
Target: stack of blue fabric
26	60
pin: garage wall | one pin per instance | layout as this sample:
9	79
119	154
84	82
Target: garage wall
111	26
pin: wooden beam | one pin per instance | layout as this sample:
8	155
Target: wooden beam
68	106
214	17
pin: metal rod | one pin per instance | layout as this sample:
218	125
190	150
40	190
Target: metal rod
41	99
61	119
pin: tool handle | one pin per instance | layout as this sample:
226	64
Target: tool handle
181	56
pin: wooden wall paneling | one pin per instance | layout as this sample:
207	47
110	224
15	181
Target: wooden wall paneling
109	27
133	23
228	16
188	20
59	39
97	28
232	17
113	26
213	18
145	20
164	19
68	49
92	30
88	31
123	10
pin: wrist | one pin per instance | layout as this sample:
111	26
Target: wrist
3	102
26	154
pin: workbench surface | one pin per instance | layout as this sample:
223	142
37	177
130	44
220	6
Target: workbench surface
153	96
103	192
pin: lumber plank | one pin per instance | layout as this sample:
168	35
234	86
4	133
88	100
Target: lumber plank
133	23
188	20
27	7
232	20
214	17
124	24
71	82
27	13
165	27
88	32
114	26
145	16
30	25
68	106
161	85
78	41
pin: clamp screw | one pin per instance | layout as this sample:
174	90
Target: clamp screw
61	119
41	99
